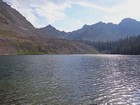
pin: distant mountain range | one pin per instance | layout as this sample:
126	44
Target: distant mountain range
18	36
99	31
106	32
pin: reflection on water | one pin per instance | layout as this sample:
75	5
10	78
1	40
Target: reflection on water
70	80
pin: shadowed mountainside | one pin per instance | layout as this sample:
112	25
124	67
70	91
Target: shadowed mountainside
106	32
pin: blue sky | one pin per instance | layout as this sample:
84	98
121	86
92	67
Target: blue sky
69	15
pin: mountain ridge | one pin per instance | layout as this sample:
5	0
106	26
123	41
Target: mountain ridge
106	31
19	36
102	31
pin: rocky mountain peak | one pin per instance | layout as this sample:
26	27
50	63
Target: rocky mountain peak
50	27
128	21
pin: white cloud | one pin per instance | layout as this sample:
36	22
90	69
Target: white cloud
24	9
53	10
33	10
128	8
114	12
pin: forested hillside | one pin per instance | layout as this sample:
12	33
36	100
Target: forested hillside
129	45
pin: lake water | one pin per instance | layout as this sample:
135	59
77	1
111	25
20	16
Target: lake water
70	80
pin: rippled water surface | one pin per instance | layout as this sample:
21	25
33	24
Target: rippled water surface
70	80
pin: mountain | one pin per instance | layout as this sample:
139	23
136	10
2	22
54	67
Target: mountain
18	36
129	27
106	31
98	32
12	20
52	31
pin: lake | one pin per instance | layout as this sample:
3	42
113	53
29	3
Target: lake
70	80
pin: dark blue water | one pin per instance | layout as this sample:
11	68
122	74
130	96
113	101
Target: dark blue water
70	80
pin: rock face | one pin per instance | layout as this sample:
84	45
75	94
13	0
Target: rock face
18	36
103	32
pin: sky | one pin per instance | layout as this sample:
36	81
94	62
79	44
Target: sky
69	15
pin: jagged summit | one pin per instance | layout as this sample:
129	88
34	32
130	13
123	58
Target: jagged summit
106	31
50	27
52	31
100	23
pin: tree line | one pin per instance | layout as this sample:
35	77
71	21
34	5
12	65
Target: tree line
129	45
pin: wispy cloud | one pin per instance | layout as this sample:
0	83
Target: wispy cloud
127	8
51	11
43	12
113	10
34	10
